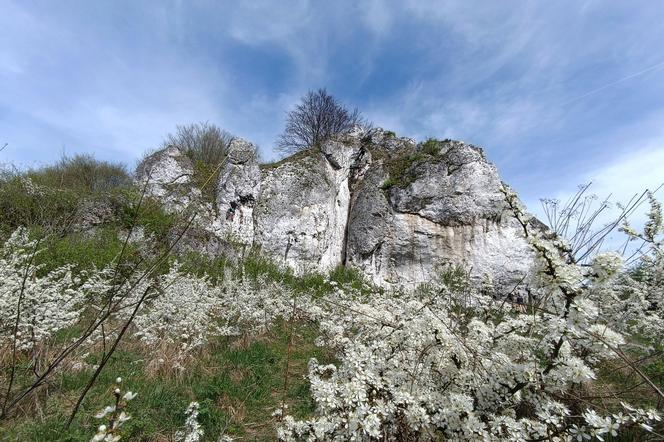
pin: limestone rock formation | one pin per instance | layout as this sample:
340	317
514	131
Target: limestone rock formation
445	209
303	207
167	174
400	212
237	193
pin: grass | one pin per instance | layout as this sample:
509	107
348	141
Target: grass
82	251
289	159
256	266
400	167
98	248
238	383
314	283
617	377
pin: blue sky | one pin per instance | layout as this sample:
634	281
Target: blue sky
558	93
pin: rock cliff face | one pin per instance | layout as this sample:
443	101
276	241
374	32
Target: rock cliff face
303	208
397	211
238	189
167	175
446	209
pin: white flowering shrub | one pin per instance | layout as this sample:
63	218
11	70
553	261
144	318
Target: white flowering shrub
255	305
192	431
637	302
181	312
446	362
114	415
47	303
430	367
185	312
111	298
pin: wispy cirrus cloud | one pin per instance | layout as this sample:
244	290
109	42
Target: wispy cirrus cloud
551	90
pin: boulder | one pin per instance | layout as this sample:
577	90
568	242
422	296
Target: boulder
167	175
237	193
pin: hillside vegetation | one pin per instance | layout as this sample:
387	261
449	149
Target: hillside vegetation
109	331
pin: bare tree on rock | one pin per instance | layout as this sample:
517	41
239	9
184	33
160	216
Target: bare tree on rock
315	119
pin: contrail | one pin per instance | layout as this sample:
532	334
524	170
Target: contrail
594	91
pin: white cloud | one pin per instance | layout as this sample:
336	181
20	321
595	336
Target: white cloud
377	15
619	180
488	73
631	174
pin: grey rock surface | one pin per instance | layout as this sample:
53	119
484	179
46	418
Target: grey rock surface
399	212
167	175
303	207
237	193
455	187
451	212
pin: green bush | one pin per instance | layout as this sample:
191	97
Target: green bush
388	183
430	147
81	173
294	157
201	142
256	266
22	203
150	215
206	145
206	176
233	375
82	251
49	197
399	167
201	265
455	278
349	276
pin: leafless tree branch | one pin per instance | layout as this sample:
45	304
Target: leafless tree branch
318	117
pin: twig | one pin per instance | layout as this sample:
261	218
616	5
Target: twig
139	303
105	360
288	356
16	325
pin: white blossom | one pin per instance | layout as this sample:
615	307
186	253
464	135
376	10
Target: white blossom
48	304
192	431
